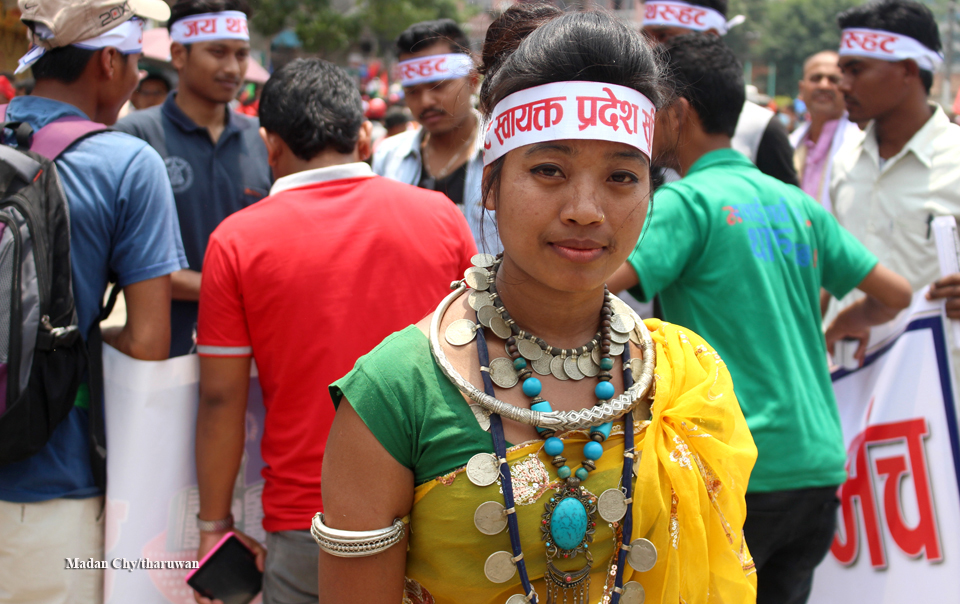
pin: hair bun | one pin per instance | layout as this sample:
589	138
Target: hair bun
509	29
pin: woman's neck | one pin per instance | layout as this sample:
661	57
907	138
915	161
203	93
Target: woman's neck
562	319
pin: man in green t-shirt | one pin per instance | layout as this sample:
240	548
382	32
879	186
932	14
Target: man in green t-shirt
740	258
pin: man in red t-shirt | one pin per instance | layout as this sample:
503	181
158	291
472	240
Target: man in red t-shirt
305	282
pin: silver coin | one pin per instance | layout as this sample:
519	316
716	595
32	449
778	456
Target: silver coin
636	366
595	355
542	365
571	369
518	599
483	260
619	307
529	350
502	372
478	299
499	567
476	278
616	349
461	332
619	338
642	556
612	505
556	368
632	593
586	365
635	338
483	470
622	323
490	518
486	314
482	415
499	327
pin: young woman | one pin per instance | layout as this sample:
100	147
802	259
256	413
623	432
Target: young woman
533	440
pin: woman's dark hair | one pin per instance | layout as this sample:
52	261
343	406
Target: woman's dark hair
187	8
903	17
312	105
507	31
579	46
706	73
427	33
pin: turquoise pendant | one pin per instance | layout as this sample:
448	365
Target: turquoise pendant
568	525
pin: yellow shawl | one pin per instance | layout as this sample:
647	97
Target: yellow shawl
696	458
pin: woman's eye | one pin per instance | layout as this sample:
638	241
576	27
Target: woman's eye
547	170
624	177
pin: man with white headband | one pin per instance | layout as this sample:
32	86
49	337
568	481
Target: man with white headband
759	135
890	183
214	156
122	221
740	258
439	81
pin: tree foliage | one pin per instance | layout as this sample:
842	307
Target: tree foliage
785	32
323	28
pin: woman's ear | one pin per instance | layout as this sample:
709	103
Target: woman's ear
489	200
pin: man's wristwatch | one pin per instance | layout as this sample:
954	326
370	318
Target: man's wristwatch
215	526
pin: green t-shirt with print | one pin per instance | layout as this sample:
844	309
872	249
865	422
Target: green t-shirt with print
740	257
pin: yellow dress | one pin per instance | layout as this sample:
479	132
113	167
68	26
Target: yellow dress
692	474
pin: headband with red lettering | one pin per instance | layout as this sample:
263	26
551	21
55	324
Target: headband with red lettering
888	46
680	14
126	37
570	110
434	68
207	27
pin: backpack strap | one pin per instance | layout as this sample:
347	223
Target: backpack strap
57	136
54	138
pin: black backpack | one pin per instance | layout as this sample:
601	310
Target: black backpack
42	356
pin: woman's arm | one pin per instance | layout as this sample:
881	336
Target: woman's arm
364	488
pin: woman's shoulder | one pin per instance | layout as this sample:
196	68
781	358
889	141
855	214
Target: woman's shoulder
685	361
387	367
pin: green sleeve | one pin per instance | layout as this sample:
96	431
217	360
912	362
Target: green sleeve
844	262
380	390
671	242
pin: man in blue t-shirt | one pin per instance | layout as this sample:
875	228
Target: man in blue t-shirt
122	222
215	159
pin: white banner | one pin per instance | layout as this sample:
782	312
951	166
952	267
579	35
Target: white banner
152	498
898	534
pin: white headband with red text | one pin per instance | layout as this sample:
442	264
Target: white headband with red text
687	16
433	68
887	46
126	37
207	27
570	110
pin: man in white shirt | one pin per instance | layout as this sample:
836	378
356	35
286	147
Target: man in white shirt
888	185
816	142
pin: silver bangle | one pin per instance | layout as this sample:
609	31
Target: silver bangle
215	526
355	544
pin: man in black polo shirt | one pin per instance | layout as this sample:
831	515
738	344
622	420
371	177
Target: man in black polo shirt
215	159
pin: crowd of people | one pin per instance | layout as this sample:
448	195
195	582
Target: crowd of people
459	408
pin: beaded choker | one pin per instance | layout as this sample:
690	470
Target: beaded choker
569	520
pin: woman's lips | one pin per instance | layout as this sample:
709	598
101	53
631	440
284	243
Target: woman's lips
578	251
